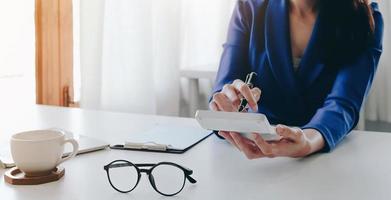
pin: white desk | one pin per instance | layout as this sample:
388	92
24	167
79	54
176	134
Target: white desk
359	169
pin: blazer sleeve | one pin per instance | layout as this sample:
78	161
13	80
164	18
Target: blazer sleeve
340	112
234	62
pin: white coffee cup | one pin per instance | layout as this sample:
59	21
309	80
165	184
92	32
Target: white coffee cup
37	153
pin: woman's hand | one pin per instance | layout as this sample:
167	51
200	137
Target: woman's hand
294	143
229	98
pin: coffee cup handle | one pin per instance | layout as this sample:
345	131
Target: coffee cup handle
75	145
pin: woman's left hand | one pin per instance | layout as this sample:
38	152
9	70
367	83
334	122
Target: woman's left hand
294	143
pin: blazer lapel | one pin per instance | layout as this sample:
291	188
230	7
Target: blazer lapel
311	64
277	41
278	49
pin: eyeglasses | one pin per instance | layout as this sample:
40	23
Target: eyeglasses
166	178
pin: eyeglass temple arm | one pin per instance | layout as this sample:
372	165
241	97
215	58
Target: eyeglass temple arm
126	165
189	172
145	165
106	167
191	179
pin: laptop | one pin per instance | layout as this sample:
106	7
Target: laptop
86	145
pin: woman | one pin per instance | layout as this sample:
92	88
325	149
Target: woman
315	61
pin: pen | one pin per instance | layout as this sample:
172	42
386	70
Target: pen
243	102
249	79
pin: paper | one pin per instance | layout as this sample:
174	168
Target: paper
174	137
5	157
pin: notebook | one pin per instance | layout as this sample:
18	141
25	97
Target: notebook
168	139
86	145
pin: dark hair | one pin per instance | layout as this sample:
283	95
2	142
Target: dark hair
347	29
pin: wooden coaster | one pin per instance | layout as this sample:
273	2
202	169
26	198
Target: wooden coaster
16	177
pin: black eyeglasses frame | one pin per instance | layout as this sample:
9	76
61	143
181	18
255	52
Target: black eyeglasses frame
139	168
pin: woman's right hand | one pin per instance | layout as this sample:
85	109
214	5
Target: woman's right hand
228	99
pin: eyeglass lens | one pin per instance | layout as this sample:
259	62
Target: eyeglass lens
123	176
168	179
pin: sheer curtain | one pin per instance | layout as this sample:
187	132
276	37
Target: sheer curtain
378	107
132	50
17	53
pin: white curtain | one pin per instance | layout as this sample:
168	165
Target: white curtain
378	107
17	53
132	50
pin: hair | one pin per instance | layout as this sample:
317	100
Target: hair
347	30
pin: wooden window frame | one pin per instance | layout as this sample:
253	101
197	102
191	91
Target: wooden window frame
54	52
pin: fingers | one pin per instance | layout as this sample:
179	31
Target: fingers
293	134
258	147
229	98
223	103
213	106
267	149
256	93
232	94
293	143
228	137
247	147
245	90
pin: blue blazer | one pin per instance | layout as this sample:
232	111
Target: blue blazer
316	96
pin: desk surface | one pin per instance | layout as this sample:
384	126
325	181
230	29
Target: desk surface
360	168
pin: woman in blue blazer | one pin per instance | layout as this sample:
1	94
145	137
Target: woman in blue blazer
315	61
